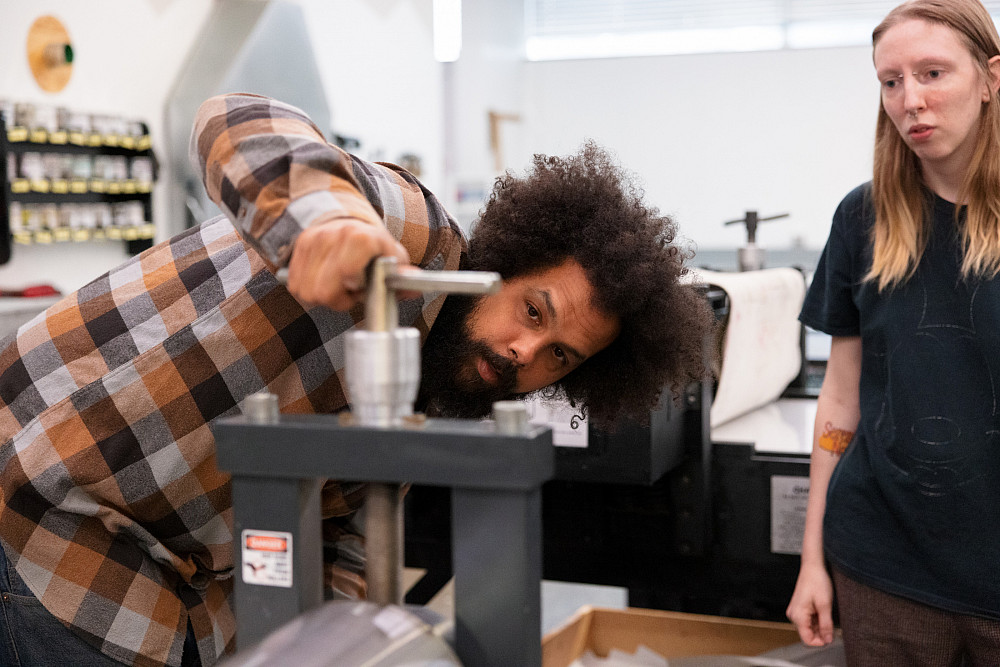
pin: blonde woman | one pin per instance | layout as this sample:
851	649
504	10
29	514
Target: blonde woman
904	503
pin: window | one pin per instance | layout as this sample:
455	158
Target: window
565	29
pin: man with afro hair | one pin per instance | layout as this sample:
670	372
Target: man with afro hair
582	215
115	523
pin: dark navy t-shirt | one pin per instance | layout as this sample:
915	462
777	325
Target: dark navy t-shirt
913	506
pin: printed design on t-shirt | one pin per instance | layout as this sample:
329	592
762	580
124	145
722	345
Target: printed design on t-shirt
940	403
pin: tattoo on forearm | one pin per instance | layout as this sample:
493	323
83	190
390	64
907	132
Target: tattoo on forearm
835	440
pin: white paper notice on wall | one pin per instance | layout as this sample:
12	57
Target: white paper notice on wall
569	426
788	513
267	558
761	351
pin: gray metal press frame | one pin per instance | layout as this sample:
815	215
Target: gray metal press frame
496	482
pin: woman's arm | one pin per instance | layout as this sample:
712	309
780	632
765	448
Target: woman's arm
837	417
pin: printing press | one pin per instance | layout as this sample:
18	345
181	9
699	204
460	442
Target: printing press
682	517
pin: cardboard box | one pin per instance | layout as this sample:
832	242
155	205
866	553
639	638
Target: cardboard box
671	634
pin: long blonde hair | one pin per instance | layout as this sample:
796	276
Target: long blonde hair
902	215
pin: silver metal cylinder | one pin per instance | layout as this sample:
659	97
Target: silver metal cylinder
384	543
511	417
452	282
262	408
383	374
750	257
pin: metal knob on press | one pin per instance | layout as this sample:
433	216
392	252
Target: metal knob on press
382	361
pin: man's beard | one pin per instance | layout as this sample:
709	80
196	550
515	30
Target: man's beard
450	384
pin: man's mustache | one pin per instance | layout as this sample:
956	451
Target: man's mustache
505	368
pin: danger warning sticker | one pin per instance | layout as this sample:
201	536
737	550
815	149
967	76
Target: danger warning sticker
267	558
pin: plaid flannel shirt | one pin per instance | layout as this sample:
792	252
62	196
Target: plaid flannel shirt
114	512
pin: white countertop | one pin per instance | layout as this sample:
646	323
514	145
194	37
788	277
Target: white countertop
784	426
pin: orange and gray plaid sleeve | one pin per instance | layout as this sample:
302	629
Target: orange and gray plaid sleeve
270	170
267	165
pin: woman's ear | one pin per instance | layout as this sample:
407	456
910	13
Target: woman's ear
994	79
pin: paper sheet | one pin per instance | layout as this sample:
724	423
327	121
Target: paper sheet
761	351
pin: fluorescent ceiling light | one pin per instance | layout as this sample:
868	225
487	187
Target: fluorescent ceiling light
818	34
662	42
447	30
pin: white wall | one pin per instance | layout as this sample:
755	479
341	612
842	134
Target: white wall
375	57
714	135
126	53
709	135
488	76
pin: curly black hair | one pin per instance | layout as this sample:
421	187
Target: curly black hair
585	207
